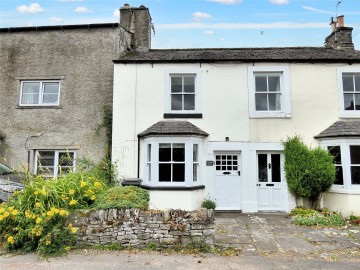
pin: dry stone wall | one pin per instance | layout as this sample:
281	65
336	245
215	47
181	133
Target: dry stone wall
134	227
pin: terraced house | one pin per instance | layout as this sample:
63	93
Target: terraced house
192	123
54	84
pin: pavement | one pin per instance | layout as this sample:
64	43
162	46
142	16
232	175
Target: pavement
267	241
275	234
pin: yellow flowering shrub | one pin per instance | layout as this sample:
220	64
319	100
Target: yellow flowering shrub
35	219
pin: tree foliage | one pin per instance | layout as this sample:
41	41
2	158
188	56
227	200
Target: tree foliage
309	172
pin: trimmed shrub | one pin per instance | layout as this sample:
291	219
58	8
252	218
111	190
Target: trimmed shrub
309	172
123	197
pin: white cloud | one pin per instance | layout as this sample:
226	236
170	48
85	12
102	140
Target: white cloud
235	26
116	13
279	2
82	10
56	19
33	8
198	16
317	10
226	2
209	32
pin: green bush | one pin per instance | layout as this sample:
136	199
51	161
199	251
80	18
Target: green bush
208	203
35	219
123	197
309	172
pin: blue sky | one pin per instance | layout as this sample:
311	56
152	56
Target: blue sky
201	23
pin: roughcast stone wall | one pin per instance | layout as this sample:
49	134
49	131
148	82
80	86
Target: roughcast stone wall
135	227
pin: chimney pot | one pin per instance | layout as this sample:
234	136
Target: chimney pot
340	21
333	24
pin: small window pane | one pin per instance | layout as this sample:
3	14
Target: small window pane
149	153
355	175
189	102
176	84
355	154
164	172
50	98
357	101
195	172
275	168
31	87
164	152
260	84
357	83
336	153
178	172
46	158
176	102
262	167
189	84
178	152
339	179
51	88
348	83
349	102
195	153
274	102
66	159
274	83
218	168
261	102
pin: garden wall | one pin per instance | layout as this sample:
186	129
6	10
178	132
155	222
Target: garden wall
134	227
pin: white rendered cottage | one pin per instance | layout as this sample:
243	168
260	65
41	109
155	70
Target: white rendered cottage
192	123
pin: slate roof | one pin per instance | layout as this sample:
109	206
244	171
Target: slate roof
173	128
349	128
284	54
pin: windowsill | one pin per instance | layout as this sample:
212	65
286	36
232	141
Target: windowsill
39	107
350	115
173	188
344	191
182	115
270	115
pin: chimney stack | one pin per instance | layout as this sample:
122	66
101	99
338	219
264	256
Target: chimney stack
135	29
341	36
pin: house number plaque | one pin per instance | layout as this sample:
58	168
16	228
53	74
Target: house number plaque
209	163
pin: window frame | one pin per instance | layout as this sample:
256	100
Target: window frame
285	92
41	93
189	142
56	161
344	144
197	92
345	113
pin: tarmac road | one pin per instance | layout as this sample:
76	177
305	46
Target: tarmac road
124	260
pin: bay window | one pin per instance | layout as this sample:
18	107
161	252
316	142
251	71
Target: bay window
172	161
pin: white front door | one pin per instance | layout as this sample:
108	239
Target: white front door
227	184
271	192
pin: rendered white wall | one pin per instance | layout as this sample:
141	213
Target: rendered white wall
185	200
346	204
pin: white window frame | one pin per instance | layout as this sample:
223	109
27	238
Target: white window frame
344	144
56	161
344	113
41	93
167	94
153	180
285	111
